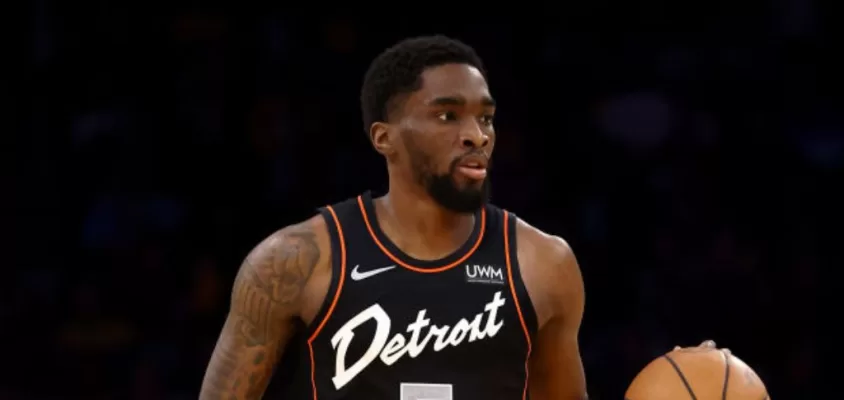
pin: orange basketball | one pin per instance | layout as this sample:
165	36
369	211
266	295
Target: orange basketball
697	374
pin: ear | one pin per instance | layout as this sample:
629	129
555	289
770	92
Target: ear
382	141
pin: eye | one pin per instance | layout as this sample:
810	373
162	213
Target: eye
487	119
447	116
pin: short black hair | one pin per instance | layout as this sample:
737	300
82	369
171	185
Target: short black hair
398	71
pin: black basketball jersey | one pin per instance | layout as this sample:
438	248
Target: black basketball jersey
394	327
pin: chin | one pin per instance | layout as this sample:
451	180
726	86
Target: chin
474	191
464	183
461	197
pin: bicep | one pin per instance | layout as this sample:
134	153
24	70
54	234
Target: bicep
556	367
264	305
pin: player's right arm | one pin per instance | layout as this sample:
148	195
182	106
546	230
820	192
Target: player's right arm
269	293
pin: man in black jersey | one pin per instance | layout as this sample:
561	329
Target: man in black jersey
428	292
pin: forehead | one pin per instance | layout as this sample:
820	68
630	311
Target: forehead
453	80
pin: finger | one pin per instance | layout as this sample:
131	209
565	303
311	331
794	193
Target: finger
727	352
709	344
676	348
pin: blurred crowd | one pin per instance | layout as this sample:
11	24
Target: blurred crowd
693	173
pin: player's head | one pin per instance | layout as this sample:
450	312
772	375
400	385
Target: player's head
428	110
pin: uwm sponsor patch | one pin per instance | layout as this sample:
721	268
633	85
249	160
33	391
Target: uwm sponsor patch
484	274
410	341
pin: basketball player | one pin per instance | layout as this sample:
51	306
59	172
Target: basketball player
428	292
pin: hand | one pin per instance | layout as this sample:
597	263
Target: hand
706	345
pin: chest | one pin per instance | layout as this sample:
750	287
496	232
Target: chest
463	317
437	309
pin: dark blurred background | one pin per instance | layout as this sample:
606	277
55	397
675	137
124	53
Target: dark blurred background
690	156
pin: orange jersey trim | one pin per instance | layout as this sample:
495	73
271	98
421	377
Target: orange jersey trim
516	301
333	301
398	261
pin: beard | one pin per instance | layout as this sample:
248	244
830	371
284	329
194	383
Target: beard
445	190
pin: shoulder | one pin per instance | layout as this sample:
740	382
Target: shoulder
550	272
292	265
542	245
307	239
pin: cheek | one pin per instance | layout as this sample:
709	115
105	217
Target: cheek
429	144
431	161
419	156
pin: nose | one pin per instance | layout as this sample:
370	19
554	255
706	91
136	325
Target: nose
473	137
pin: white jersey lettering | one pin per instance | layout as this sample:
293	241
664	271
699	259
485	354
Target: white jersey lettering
391	350
344	336
484	271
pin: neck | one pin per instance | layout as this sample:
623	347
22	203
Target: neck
418	225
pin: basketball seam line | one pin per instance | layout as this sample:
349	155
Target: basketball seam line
682	377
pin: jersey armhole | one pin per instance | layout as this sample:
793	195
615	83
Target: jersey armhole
338	272
524	306
526	309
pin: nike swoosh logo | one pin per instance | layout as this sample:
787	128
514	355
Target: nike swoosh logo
358	276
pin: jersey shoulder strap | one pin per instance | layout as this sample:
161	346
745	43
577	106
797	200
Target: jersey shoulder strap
338	217
509	222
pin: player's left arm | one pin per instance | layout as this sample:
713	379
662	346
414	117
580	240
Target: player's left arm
556	287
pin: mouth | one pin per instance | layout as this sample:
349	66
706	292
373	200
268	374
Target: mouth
473	167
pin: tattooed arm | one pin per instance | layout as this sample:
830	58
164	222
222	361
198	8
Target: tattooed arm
269	294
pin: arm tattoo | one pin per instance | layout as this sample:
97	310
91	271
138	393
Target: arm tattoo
269	284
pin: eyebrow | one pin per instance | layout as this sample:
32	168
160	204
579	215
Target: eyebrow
459	101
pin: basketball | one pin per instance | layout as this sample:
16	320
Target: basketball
698	374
